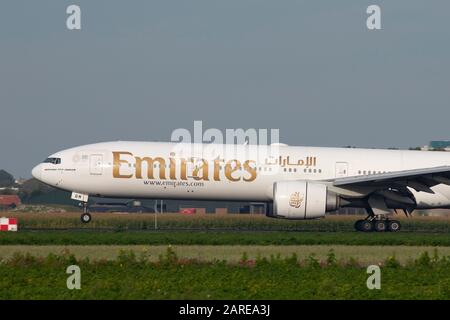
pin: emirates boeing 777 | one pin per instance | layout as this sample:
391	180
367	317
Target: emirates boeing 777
295	182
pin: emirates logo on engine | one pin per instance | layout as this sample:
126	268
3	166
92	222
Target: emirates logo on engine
295	200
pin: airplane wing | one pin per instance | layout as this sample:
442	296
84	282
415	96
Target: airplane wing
418	179
392	187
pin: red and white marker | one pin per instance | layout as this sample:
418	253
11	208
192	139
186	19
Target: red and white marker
8	224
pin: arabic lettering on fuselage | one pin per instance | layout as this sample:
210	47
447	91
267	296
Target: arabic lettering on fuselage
286	161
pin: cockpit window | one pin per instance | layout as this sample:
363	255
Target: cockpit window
53	160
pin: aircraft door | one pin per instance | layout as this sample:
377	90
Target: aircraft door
341	169
96	164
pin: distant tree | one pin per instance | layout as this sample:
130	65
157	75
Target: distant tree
33	187
6	179
33	191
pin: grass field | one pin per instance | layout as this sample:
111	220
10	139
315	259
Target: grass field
364	254
221	257
111	221
221	238
134	277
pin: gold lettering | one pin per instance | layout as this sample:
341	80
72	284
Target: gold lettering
183	175
116	164
250	169
173	167
203	169
217	163
229	169
150	162
199	172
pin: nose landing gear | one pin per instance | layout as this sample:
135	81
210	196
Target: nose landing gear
83	198
86	216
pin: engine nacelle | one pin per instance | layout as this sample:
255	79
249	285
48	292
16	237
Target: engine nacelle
302	200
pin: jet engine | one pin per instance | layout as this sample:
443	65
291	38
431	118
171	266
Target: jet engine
302	200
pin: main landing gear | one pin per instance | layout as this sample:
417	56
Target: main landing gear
86	216
378	224
377	216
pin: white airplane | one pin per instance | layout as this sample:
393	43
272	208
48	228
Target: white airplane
295	182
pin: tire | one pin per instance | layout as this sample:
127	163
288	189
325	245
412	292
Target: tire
380	226
357	225
86	218
394	226
366	226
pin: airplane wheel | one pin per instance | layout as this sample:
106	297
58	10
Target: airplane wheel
366	226
86	218
380	226
357	225
394	226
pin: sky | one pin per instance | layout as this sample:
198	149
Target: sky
137	70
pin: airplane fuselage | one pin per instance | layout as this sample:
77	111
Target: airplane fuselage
162	170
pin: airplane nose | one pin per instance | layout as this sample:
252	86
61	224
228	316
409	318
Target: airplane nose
37	172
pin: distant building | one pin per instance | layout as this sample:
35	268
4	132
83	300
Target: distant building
13	189
20	181
439	144
9	201
171	206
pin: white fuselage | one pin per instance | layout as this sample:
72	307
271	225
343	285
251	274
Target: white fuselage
162	170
